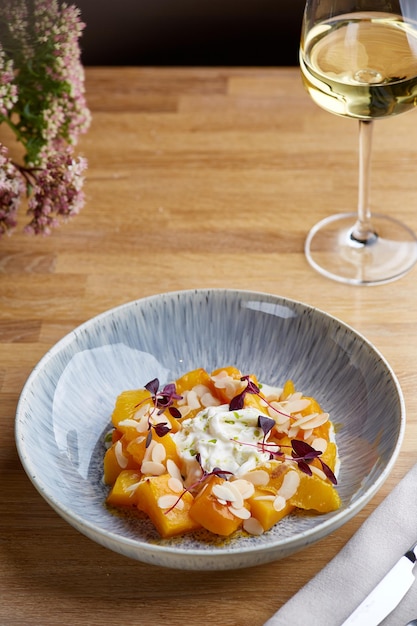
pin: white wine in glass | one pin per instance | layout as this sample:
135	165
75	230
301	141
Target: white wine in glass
358	59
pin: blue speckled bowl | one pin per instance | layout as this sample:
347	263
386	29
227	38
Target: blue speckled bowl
66	404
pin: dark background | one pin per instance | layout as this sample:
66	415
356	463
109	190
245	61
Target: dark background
191	32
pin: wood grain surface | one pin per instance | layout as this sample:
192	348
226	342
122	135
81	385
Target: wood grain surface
197	178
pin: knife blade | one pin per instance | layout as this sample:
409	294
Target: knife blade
388	593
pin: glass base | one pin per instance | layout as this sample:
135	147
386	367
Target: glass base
331	250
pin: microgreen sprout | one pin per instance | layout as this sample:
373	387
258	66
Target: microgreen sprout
237	402
216	471
162	400
302	453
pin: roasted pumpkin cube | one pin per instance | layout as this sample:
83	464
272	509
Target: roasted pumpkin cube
210	513
137	448
315	493
262	508
329	456
116	459
168	508
196	377
287	390
123	492
128	403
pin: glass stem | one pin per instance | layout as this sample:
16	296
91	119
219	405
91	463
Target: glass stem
362	231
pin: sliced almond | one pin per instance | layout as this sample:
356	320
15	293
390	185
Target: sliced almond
121	458
241	513
257	477
289	485
150	467
167	501
253	526
158	453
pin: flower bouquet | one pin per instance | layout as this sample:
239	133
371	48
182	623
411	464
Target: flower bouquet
42	100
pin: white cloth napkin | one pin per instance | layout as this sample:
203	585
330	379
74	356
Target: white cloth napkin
331	596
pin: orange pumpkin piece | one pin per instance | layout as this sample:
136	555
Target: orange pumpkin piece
137	447
116	459
315	493
287	390
231	386
208	512
252	400
262	508
128	403
196	377
156	498
123	492
313	407
329	456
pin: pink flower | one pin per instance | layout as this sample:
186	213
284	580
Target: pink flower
57	191
12	187
42	100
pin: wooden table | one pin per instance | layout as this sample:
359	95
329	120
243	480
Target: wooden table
196	178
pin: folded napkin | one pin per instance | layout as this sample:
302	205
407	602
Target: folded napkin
331	596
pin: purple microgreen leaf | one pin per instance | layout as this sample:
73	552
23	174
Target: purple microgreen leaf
153	386
304	450
168	395
175	412
217	471
266	423
251	387
328	472
304	467
236	403
148	439
161	429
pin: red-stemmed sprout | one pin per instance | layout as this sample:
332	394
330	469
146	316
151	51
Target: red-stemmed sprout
162	400
237	402
216	471
302	453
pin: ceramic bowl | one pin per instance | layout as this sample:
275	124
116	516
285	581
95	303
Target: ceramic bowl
65	407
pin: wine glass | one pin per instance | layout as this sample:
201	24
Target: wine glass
358	59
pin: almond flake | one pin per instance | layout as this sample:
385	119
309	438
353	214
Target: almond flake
148	451
289	485
319	443
131	488
258	477
175	485
318	472
150	467
241	513
121	459
296	405
192	400
253	526
129	423
207	399
280	417
224	492
238	496
279	503
158	453
311	421
167	501
245	487
173	469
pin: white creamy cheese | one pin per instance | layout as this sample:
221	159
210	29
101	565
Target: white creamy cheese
224	439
